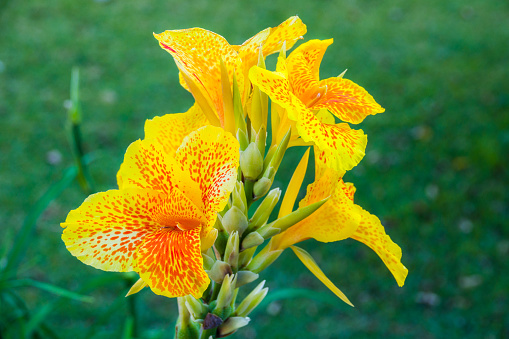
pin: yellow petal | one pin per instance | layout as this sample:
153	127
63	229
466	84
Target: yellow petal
147	165
347	100
170	129
304	66
294	186
310	263
336	220
138	286
275	85
170	261
371	233
209	239
344	147
199	52
106	229
210	157
288	32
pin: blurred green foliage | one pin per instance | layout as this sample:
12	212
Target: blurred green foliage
434	172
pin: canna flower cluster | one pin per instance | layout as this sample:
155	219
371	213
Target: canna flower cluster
183	216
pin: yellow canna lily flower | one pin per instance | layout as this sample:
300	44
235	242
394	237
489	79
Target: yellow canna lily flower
157	220
296	87
339	218
198	54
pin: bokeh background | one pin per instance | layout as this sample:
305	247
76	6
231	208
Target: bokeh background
435	169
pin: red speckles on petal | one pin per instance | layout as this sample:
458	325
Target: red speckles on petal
371	233
210	156
170	129
342	147
199	51
170	262
90	234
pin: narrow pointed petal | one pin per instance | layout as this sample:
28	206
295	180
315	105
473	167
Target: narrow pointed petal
294	186
147	165
170	129
138	286
304	65
311	264
344	146
371	233
347	100
170	261
199	51
107	228
210	157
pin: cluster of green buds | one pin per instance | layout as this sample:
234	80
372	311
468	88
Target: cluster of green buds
236	259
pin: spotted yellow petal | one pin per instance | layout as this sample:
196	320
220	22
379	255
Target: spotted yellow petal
304	66
210	157
170	129
147	165
344	147
288	32
271	40
107	228
169	260
347	100
371	233
336	220
275	85
198	52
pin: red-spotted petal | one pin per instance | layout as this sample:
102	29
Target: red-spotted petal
170	262
199	52
371	233
170	129
343	147
336	220
304	67
289	32
275	85
346	100
210	157
107	228
147	165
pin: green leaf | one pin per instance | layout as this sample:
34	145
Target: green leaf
45	287
21	242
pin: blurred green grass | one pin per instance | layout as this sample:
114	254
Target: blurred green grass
435	171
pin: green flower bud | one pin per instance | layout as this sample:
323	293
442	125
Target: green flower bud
208	261
263	259
245	277
252	240
261	187
239	197
262	213
219	270
231	325
251	162
195	307
231	253
186	328
252	300
234	220
223	307
246	255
